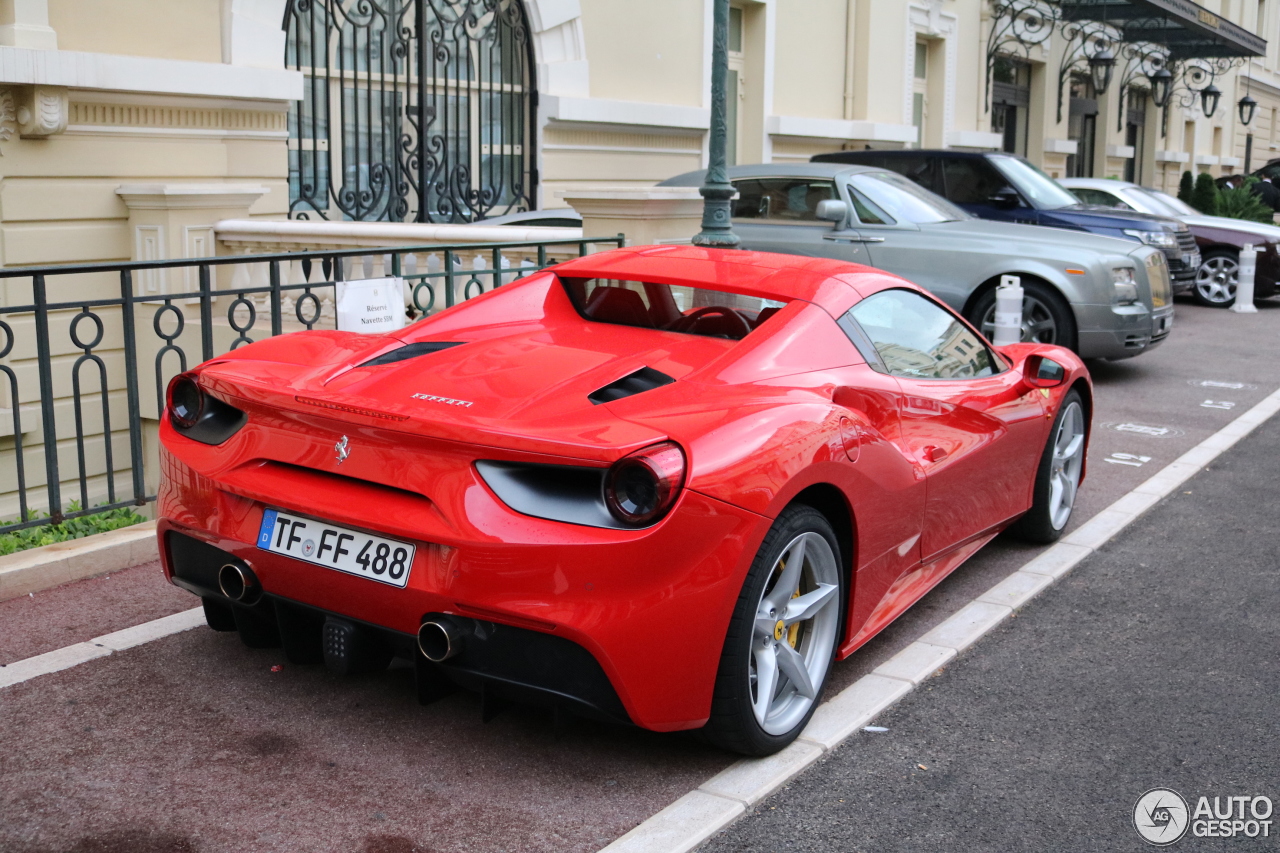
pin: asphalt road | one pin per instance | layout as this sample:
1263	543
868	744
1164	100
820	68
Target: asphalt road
1152	665
194	743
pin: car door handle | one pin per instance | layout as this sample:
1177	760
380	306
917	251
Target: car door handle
840	238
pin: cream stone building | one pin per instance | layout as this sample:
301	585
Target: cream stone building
172	129
118	118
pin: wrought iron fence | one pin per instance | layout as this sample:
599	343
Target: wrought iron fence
413	110
54	349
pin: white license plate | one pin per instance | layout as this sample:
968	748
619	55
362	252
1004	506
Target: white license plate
1191	260
334	547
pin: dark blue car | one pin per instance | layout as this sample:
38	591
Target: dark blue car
1008	188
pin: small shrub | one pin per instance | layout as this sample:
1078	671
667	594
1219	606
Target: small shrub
1186	187
72	528
1241	203
1204	197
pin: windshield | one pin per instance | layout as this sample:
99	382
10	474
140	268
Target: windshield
1176	207
902	199
1041	190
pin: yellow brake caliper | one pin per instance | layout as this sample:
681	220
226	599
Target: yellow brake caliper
793	633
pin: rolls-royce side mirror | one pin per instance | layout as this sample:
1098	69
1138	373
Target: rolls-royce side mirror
832	210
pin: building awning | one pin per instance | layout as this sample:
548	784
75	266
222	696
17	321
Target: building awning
1189	30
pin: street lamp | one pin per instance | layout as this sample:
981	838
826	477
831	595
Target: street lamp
1247	106
717	191
1161	86
1209	96
1101	66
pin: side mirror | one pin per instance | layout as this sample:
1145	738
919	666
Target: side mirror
1042	372
1005	199
832	210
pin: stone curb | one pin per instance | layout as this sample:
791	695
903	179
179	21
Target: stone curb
718	802
62	562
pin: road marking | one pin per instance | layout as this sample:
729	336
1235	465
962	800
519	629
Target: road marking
1143	429
1213	383
727	796
1217	404
99	647
1127	459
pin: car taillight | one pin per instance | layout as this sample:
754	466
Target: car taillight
640	488
185	400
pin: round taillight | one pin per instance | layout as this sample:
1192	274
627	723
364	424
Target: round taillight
186	400
640	488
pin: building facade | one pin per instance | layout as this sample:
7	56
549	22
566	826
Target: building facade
454	110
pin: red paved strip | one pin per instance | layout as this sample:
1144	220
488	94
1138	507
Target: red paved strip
192	743
79	611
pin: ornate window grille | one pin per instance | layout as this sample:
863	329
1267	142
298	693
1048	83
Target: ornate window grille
414	110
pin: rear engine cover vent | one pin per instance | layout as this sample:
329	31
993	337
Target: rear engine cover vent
644	379
410	351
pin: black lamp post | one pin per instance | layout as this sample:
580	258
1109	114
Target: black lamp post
1101	66
1161	86
1209	97
717	191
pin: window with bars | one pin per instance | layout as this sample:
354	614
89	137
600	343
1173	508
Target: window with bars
413	110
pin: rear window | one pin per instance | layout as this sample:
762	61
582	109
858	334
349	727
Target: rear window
670	307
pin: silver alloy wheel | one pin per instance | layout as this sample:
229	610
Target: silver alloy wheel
795	633
1038	325
1217	278
1066	465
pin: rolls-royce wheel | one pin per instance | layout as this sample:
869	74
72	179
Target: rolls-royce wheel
1046	316
1217	278
782	637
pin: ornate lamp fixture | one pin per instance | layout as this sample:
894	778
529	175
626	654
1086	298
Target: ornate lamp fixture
1247	107
1209	97
1161	86
1101	66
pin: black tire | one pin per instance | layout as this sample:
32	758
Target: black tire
1038	524
1217	278
733	724
1041	302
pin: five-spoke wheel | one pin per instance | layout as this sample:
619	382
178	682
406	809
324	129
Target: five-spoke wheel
782	638
1058	478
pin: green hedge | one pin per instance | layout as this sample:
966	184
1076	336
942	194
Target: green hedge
73	528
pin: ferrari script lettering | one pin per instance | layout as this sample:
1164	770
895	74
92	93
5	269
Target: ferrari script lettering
448	401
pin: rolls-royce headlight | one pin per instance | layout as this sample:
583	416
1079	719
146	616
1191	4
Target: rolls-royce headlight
1126	286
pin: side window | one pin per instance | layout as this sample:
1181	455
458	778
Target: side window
867	211
1091	196
915	338
781	199
971	180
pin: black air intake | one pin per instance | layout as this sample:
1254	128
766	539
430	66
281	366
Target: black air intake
644	379
410	351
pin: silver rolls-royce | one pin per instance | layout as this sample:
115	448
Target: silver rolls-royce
1102	297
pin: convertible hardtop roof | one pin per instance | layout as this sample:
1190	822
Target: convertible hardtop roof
764	274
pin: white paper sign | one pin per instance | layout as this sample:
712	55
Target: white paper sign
371	305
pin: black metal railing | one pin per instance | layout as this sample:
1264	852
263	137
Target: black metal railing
106	334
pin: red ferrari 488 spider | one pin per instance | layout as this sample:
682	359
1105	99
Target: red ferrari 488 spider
661	485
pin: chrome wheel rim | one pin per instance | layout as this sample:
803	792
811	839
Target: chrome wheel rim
1066	465
794	633
1217	278
1038	325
